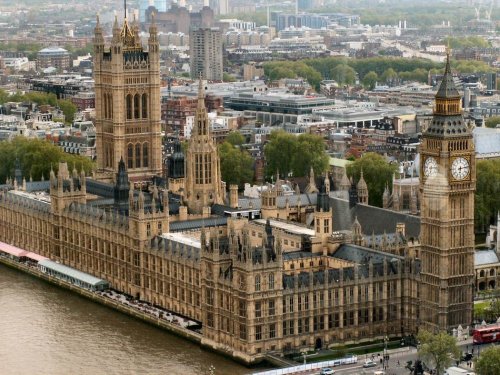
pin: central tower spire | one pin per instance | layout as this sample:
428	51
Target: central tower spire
203	178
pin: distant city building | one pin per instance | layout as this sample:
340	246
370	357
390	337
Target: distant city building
160	5
55	57
276	109
178	19
205	52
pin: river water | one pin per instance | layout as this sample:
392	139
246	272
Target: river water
48	330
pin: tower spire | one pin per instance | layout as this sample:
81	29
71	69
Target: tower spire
201	93
125	9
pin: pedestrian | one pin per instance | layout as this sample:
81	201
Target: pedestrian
398	362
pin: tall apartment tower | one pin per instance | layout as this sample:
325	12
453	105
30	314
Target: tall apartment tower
127	91
205	49
448	182
203	180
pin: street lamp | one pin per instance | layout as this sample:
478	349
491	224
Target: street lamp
386	359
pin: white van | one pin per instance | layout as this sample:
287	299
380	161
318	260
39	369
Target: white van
379	373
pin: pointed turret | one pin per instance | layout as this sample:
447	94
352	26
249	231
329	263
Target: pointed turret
413	201
386	197
98	37
18	173
201	94
153	36
448	120
311	185
116	31
122	186
357	233
362	190
447	88
344	182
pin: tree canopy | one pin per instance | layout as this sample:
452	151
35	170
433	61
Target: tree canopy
291	155
492	122
42	98
488	362
346	70
377	172
370	79
236	165
487	199
235	138
36	158
438	350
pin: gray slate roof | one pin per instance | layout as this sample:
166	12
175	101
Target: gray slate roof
362	255
486	140
179	226
372	219
484	257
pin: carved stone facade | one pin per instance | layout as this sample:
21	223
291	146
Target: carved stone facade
127	92
203	180
447	185
286	282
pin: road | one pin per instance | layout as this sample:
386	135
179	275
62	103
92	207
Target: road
409	52
393	368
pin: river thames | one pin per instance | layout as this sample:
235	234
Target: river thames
48	330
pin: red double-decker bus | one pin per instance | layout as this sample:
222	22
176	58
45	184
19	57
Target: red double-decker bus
486	335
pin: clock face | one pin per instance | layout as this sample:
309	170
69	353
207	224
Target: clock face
460	168
430	167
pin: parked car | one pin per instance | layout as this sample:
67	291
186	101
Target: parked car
327	371
369	364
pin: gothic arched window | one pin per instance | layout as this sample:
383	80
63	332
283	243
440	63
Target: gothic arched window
130	156
144	106
105	100
145	155
129	106
136	106
138	155
257	283
110	105
271	281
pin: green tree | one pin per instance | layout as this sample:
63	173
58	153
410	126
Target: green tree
36	158
236	165
439	350
235	138
288	154
389	75
494	308
69	110
492	122
278	152
41	98
377	172
4	96
487	198
488	362
226	77
370	79
343	74
309	152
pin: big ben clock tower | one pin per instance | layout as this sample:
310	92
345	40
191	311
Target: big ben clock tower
447	185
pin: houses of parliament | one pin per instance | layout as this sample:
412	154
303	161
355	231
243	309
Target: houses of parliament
276	274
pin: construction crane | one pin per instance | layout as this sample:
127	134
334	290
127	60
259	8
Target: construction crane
488	12
478	10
